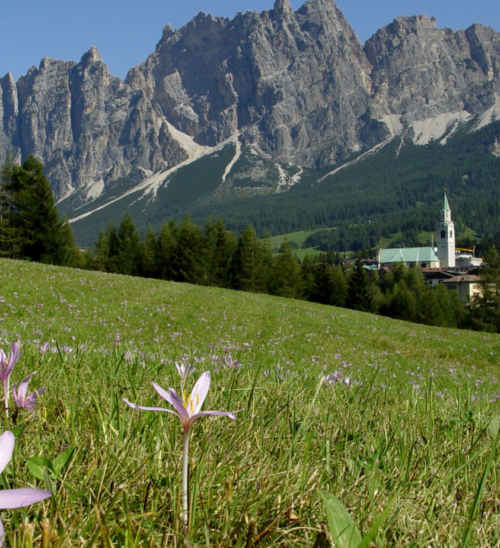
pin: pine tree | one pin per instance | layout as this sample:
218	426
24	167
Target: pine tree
220	247
9	240
187	258
129	247
68	253
150	255
166	244
359	290
339	292
249	264
285	278
486	310
34	216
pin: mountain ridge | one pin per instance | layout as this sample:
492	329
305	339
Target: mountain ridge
296	88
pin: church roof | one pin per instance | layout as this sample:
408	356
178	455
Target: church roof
446	205
408	255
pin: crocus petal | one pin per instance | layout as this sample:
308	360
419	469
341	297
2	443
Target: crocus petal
23	386
174	400
230	414
6	448
142	408
15	353
199	393
17	498
3	358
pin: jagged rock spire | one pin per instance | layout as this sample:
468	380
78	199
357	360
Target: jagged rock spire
283	8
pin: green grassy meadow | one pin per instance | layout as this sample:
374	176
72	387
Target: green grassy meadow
406	419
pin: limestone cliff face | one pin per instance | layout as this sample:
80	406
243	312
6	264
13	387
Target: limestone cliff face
420	71
297	85
284	80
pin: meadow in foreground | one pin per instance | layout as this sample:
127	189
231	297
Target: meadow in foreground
371	410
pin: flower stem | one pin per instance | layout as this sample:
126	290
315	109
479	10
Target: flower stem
6	395
185	479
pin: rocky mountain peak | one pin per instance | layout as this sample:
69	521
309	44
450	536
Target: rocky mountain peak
296	86
282	8
91	56
403	25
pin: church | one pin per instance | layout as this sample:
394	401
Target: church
441	257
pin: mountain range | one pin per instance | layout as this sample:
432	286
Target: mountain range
228	110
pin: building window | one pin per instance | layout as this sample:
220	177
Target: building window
443	234
451	233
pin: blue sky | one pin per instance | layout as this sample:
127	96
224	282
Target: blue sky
126	31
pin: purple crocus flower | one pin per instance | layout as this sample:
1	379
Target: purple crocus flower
232	363
188	413
15	498
6	367
19	394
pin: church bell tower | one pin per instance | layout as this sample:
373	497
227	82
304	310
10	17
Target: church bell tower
446	237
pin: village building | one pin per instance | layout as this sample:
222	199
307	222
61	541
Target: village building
443	263
468	286
443	256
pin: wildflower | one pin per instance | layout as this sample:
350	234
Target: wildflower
44	347
6	367
188	413
231	364
19	394
184	369
15	498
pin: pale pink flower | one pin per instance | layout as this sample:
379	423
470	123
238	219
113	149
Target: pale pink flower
15	498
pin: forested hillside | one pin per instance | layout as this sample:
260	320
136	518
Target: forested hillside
398	189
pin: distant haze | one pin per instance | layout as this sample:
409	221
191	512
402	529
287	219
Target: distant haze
126	31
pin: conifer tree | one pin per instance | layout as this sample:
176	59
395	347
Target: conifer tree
150	255
249	264
339	286
359	290
324	286
166	244
41	236
285	278
220	247
9	241
68	253
129	247
186	261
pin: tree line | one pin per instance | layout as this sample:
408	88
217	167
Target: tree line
30	229
215	256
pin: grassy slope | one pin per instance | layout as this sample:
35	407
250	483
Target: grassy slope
361	443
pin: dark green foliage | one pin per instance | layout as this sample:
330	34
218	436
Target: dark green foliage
285	279
220	247
360	290
186	262
214	257
395	190
35	218
9	240
129	247
486	311
249	270
29	226
166	242
150	255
